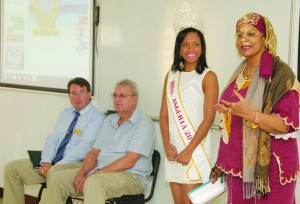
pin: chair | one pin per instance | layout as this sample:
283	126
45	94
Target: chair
44	185
35	157
134	199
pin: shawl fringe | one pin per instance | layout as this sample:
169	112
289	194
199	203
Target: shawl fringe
261	186
248	192
257	189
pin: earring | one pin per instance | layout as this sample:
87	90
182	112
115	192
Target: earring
181	65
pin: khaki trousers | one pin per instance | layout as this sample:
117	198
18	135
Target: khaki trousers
20	172
97	188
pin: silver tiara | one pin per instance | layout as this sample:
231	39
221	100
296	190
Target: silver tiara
187	17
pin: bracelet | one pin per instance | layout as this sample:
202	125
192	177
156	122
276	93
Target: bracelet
255	124
256	121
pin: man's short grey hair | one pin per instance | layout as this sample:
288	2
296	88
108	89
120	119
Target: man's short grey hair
130	83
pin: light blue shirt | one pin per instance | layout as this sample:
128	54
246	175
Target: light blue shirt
135	135
84	135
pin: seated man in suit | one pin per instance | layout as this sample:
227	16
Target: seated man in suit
120	161
66	146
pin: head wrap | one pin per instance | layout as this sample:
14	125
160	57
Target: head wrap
253	19
262	24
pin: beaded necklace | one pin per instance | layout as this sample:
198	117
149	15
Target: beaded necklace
241	79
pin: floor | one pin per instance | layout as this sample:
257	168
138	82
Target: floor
75	202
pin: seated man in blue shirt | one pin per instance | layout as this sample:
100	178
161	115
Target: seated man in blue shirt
65	147
120	161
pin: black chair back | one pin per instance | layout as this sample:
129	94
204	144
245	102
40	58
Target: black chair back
155	165
140	198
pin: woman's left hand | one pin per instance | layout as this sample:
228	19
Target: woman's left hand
239	108
184	157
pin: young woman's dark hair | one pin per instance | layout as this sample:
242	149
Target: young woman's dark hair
202	64
81	82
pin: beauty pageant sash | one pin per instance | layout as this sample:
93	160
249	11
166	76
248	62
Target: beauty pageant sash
199	167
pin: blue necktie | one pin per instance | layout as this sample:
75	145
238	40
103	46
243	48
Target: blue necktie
61	149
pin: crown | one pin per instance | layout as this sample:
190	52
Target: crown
187	17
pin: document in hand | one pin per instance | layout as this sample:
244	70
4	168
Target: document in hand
207	191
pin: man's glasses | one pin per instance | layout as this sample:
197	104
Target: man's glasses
121	95
80	93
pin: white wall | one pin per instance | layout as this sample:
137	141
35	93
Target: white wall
136	41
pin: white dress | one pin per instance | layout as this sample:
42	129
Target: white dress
192	99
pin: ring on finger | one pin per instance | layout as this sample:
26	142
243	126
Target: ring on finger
229	110
233	106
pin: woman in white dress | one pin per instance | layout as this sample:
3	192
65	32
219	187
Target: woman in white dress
187	114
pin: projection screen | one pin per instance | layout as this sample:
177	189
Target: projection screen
45	43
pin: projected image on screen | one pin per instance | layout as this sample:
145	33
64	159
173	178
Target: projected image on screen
44	43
